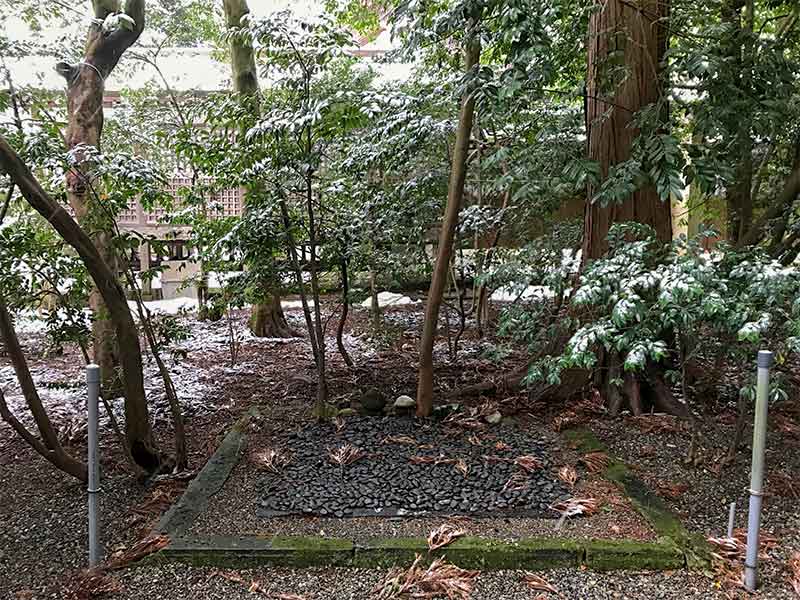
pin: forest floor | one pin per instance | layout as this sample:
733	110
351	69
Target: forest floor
43	513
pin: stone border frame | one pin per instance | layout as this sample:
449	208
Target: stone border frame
675	548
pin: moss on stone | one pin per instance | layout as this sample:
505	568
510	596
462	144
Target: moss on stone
665	523
312	551
472	553
606	555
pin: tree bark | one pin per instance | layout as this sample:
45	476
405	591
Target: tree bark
738	196
454	199
638	30
343	318
783	204
85	85
49	446
267	318
137	421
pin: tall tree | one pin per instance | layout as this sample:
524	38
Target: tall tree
267	318
137	422
455	196
627	42
626	47
111	33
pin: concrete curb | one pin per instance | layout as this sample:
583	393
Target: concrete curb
179	518
674	549
665	523
532	554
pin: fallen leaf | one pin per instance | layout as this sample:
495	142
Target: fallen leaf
444	535
596	462
535	582
528	462
568	475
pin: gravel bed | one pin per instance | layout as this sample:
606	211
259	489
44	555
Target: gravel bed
232	510
180	581
43	516
702	495
387	482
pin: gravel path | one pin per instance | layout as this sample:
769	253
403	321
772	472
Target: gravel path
701	494
43	517
179	581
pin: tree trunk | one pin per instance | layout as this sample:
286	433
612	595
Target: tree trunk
267	318
49	446
374	304
85	85
738	196
137	422
609	112
454	198
345	309
638	30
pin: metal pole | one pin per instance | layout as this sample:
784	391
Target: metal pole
731	518
93	489
757	470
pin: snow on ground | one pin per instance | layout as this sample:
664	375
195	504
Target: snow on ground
512	293
355	346
173	306
63	395
295	304
176	306
389	299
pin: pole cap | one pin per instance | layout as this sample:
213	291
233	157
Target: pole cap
92	373
765	359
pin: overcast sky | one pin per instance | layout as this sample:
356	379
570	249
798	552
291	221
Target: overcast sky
18	30
194	69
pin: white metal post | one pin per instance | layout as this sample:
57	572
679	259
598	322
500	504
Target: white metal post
93	489
757	470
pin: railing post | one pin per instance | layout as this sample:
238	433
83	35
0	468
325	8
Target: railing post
93	464
757	470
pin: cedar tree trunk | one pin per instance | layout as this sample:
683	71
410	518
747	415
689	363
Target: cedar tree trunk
637	30
642	38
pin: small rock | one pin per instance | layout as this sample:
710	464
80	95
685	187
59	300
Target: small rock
373	401
348	412
494	418
405	402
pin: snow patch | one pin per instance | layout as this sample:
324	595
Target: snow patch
389	299
512	293
173	306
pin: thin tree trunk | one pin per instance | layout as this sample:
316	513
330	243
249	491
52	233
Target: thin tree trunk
454	198
137	421
322	383
181	458
50	448
345	309
267	318
374	305
482	311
